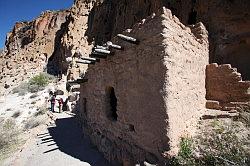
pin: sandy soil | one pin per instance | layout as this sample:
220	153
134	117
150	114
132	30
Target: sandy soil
59	142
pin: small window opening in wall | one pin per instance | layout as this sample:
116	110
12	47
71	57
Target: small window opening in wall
131	127
85	105
112	104
192	18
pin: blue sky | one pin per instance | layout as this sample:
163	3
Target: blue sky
12	11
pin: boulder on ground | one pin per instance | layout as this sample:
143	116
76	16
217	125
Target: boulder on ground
6	86
59	92
72	98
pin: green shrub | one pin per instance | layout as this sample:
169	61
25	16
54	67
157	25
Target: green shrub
185	155
172	2
185	147
39	82
35	84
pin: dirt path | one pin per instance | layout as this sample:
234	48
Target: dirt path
59	144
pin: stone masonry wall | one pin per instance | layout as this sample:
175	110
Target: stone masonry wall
167	67
137	76
224	84
187	55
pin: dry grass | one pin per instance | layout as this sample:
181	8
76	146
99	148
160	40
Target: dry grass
41	110
9	137
245	114
35	121
21	90
224	143
220	142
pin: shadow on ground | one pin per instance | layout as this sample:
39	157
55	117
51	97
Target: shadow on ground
67	135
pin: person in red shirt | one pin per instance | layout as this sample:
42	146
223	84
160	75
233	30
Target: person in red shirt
60	102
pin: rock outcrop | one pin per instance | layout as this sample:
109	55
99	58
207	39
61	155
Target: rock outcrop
29	46
100	20
72	40
228	23
36	36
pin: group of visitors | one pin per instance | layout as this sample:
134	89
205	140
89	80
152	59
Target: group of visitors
53	100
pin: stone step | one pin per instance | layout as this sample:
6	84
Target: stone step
229	108
239	103
232	111
234	105
211	104
213	114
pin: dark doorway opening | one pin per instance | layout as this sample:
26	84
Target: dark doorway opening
238	55
192	18
112	114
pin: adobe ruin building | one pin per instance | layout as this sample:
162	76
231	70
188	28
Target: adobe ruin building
139	102
225	88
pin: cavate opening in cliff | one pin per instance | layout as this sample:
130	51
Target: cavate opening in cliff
192	18
112	101
239	57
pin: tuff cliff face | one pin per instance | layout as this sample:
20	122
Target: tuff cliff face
28	47
71	39
37	33
228	23
107	18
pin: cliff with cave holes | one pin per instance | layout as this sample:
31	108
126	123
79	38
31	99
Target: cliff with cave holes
155	83
228	23
28	47
60	34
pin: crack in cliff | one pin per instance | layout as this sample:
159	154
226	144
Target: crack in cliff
54	65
